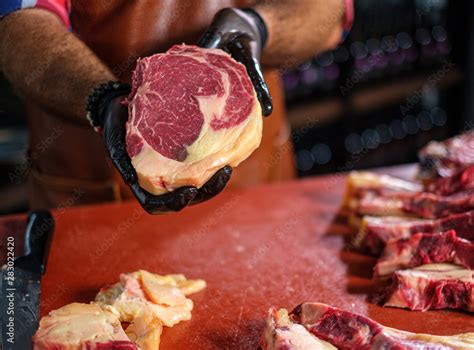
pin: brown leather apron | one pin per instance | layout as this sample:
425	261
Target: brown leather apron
69	162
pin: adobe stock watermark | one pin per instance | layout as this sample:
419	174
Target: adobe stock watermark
8	292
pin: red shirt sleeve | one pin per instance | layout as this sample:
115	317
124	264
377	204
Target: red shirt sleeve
60	8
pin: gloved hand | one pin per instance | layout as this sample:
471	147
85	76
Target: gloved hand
112	117
241	33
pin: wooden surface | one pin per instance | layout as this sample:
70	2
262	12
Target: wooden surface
275	245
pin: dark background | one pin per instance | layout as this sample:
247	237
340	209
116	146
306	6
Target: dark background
404	76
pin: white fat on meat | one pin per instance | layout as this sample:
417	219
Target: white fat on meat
362	182
283	334
143	292
81	326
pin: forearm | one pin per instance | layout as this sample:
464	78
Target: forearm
47	64
299	29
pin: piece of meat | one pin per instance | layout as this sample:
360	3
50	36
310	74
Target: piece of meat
192	111
142	292
282	334
347	331
442	159
425	248
375	232
432	286
415	204
461	181
145	331
82	326
360	183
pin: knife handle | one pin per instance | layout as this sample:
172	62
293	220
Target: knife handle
38	235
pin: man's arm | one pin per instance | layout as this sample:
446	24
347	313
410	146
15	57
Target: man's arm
47	64
299	29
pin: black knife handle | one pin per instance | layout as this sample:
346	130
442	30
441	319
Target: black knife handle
38	235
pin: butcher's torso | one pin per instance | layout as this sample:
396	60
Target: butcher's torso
72	167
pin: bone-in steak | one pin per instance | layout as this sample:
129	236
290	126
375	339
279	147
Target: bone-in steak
448	157
425	248
432	286
417	204
375	232
346	331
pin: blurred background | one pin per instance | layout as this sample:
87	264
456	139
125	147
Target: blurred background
404	76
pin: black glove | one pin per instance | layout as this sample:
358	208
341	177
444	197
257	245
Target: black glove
241	33
111	115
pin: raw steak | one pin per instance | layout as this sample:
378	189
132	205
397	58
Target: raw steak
448	157
375	232
461	181
359	183
81	326
192	111
425	248
432	286
346	331
416	204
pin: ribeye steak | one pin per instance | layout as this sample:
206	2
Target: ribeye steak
191	112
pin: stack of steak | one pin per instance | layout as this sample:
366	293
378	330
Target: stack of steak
422	232
423	235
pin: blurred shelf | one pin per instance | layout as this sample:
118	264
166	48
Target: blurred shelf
384	94
367	99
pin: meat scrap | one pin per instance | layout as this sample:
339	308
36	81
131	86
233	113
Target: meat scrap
346	331
141	292
192	111
432	286
425	248
446	158
82	326
375	232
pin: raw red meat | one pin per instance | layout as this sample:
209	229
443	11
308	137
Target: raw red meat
461	181
192	111
425	248
448	157
360	183
432	286
416	204
346	331
375	232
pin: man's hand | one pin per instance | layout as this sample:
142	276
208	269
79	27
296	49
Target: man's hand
242	33
114	116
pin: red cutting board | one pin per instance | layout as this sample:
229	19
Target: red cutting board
275	245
